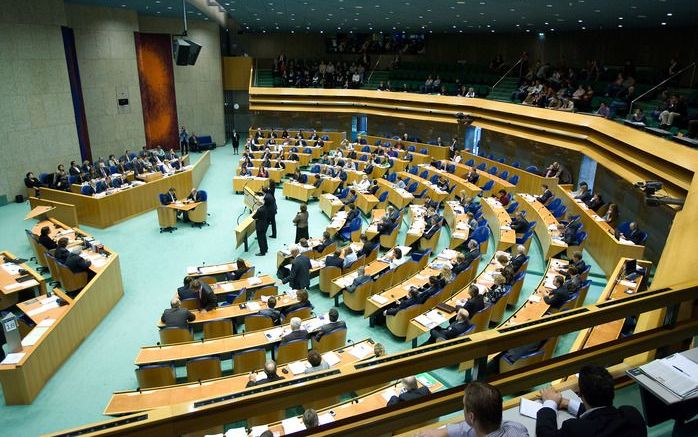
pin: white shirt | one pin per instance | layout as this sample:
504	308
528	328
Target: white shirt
363	185
508	429
350	258
397	262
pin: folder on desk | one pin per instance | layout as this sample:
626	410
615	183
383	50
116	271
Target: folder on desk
674	374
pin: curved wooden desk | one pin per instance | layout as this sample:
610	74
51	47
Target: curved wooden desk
109	210
546	225
499	221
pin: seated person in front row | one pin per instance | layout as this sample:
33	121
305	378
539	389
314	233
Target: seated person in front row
334	260
410	390
519	224
31	181
475	302
558	296
595	416
360	279
303	302
46	240
61	253
349	257
634	235
76	263
458	327
297	333
396	258
333	324
176	316
271	311
414	297
207	298
240	270
482	408
460	265
367	246
317	363
269	372
433	227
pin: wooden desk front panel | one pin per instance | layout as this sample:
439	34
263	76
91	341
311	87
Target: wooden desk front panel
22	383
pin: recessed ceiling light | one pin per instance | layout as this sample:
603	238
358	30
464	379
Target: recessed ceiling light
669	14
579	21
584	28
123	6
620	25
663	23
620	18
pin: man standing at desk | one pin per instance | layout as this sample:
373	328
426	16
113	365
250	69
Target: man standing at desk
261	222
183	141
236	142
269	195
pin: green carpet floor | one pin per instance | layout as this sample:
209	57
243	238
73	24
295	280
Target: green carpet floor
153	266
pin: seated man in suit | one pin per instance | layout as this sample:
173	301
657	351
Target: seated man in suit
595	202
410	390
61	253
460	265
207	298
546	196
349	257
475	302
634	235
360	279
573	281
393	214
519	259
46	240
176	316
303	302
185	291
269	372
472	176
583	193
482	408
334	323
433	228
473	251
353	212
557	297
317	363
334	260
324	243
350	198
519	224
367	246
297	332
76	263
413	298
271	311
595	416
385	226
568	234
454	330
577	262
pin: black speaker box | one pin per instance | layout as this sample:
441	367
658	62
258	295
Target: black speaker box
185	51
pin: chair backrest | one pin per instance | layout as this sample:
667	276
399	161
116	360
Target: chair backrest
249	360
304	178
172	335
624	227
411	148
203	368
292	351
256	322
512	207
488	185
532	169
424	151
481	234
524	238
397	324
210	280
190	304
86	190
414	170
504	174
516	164
199	214
382	197
482	166
315	168
331	341
327	274
301	313
481	319
493	170
424	174
69	280
269	290
218	328
412	188
155	375
499	307
52	264
39	249
514	179
356	301
388	240
470	162
554	204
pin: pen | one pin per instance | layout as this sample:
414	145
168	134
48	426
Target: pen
680	370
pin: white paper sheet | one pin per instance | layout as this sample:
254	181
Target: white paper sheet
33	337
293	424
331	358
13	358
298	367
529	408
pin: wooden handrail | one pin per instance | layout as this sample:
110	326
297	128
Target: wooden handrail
183	418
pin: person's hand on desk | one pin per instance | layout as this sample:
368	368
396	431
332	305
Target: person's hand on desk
550	394
203	311
252	377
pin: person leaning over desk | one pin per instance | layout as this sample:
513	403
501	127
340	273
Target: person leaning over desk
176	316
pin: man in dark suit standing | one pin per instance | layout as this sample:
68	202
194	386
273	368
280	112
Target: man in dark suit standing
207	298
454	330
236	142
176	316
300	270
269	197
329	327
261	222
410	391
595	416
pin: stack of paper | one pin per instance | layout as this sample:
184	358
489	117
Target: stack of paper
325	418
256	431
436	317
293	424
389	393
298	367
254	280
361	350
253	306
12	269
192	270
425	321
529	408
675	372
380	299
238	432
33	337
534	298
13	358
331	358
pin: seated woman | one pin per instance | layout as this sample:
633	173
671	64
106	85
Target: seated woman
241	269
31	181
303	302
262	172
497	290
244	171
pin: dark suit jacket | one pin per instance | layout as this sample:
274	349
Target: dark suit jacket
61	254
558	297
433	229
580	265
517	261
300	272
47	242
403	304
471	255
460	267
333	261
301	334
208	298
186	293
634	236
272	313
519	225
454	330
367	249
177	317
409	396
76	263
359	280
475	305
329	327
547	194
624	421
264	381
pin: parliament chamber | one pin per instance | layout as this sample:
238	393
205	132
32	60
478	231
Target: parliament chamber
445	218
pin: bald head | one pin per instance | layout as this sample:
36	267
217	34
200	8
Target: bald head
174	303
410	383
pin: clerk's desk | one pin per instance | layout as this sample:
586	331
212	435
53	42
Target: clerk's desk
42	209
73	322
102	212
140	400
10	287
601	241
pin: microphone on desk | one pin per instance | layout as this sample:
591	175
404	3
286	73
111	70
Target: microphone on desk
158	345
138	389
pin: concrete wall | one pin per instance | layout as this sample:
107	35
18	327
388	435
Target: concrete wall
38	125
199	88
107	62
